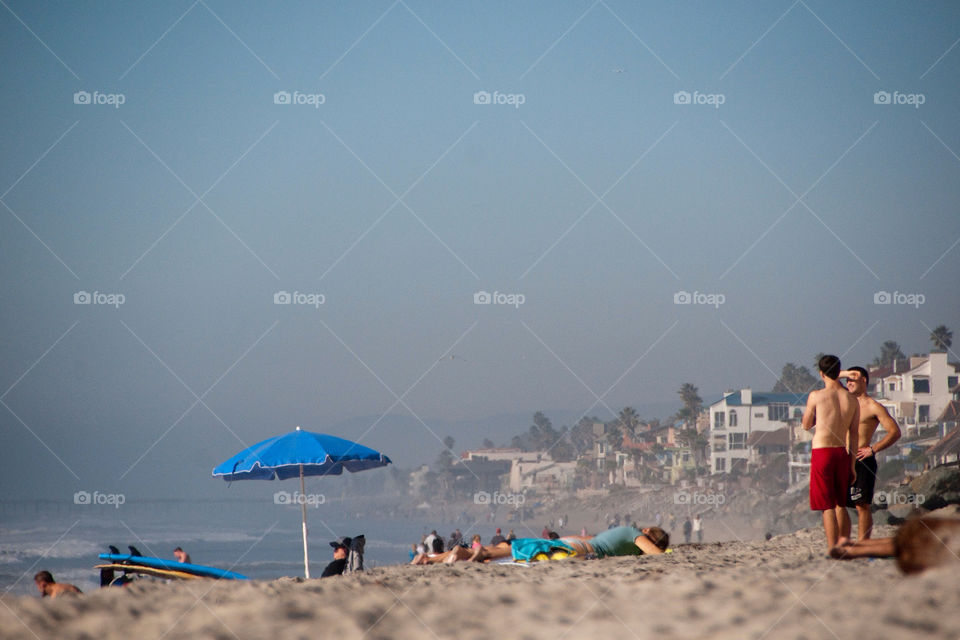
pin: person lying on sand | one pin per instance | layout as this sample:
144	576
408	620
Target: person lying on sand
619	541
50	587
921	543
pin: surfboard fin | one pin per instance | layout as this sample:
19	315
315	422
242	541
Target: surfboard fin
134	550
113	549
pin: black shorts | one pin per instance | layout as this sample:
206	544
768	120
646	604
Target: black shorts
861	492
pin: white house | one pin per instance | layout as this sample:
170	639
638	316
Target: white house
915	390
738	414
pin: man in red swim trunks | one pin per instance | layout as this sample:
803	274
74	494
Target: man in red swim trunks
835	413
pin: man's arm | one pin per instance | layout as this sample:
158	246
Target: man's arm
853	438
810	413
890	428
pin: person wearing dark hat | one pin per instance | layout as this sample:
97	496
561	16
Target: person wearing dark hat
341	548
497	538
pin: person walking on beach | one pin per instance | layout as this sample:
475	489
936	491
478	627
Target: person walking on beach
181	555
428	541
835	414
687	528
51	588
872	415
497	537
698	527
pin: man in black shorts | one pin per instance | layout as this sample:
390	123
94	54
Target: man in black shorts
872	415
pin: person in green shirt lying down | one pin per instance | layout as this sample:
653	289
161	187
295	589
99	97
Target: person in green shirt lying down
619	541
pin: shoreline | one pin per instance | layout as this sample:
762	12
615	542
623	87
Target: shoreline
784	587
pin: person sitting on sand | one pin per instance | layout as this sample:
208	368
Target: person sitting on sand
50	587
181	555
921	543
619	541
340	549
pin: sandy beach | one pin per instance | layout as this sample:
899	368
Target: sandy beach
782	588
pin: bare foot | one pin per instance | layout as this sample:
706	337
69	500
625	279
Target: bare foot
839	552
450	559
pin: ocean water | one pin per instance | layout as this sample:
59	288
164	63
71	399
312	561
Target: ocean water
257	540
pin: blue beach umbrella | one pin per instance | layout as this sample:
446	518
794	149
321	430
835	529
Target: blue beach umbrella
299	454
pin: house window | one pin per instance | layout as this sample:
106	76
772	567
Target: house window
923	413
952	381
797	412
737	441
721	464
718	420
921	385
733	418
778	411
892	386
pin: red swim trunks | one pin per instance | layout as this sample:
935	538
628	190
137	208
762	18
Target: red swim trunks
829	478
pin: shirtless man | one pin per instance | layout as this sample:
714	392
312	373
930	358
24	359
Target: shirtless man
836	415
872	415
51	588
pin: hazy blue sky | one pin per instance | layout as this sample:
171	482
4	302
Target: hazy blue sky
599	198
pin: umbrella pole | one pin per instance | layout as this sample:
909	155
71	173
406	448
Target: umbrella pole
303	513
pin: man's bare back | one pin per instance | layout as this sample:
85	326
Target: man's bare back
834	414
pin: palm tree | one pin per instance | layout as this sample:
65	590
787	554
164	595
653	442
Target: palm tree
942	338
889	353
692	403
629	420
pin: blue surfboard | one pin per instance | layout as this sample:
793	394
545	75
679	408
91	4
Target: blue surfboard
172	565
